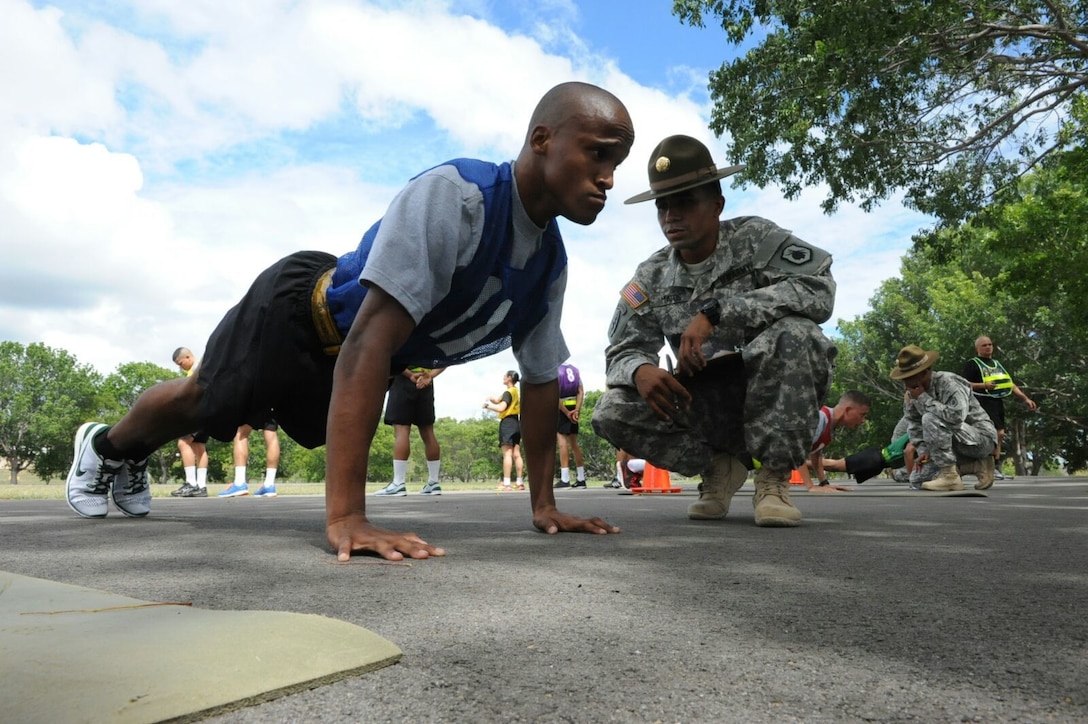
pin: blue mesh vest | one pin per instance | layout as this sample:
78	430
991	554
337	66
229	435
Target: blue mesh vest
489	304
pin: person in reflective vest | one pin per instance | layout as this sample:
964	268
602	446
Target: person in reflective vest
991	384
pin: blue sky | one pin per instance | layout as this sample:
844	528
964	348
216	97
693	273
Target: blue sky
155	156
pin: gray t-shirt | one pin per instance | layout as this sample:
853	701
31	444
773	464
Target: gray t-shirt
420	245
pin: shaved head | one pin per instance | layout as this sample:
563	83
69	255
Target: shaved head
578	135
571	100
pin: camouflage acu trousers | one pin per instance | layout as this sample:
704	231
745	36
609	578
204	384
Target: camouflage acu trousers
762	404
945	443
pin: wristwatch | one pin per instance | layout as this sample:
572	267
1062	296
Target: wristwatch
711	310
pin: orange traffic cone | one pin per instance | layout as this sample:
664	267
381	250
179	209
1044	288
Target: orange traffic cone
795	478
656	480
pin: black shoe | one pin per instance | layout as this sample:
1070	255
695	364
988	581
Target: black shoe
561	484
579	484
615	483
182	492
195	492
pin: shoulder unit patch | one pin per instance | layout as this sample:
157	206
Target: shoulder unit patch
797	254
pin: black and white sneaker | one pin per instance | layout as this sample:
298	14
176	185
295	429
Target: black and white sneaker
130	491
579	484
91	476
182	491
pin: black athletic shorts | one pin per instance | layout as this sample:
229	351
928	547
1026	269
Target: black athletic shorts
266	356
995	408
409	405
197	437
566	426
509	431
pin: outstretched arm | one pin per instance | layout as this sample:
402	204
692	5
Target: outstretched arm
359	384
1026	400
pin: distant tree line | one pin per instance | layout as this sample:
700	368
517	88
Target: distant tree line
45	394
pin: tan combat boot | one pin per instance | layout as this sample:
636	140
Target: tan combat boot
721	481
947	479
772	500
984	471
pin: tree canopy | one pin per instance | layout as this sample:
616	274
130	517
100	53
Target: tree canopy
44	396
1016	273
951	100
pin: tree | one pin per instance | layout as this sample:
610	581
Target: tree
44	396
598	453
952	100
1016	272
470	448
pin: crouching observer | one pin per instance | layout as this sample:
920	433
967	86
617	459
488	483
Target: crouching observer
739	302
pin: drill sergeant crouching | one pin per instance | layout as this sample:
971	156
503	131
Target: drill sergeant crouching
739	303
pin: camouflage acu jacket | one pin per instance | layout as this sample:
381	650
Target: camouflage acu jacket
759	273
949	398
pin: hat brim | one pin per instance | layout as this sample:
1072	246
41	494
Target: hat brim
931	358
652	194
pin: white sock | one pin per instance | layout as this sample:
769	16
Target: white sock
506	481
564	474
201	477
239	474
619	470
190	474
269	477
433	467
636	465
581	472
400	471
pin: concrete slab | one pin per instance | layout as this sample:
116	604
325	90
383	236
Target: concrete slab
73	654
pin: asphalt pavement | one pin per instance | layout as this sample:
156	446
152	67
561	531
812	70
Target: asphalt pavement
883	606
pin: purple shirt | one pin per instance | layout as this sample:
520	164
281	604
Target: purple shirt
569	381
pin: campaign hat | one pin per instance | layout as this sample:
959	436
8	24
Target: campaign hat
912	360
680	163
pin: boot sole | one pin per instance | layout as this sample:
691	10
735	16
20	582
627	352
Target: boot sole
777	523
705	516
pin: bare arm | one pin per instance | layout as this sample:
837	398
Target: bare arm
495	404
538	422
359	384
1026	400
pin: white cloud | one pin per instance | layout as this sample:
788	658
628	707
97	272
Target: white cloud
149	171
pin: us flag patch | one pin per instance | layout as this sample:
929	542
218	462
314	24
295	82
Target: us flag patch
634	295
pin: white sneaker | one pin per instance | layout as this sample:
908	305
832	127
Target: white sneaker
91	475
393	490
130	491
431	488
